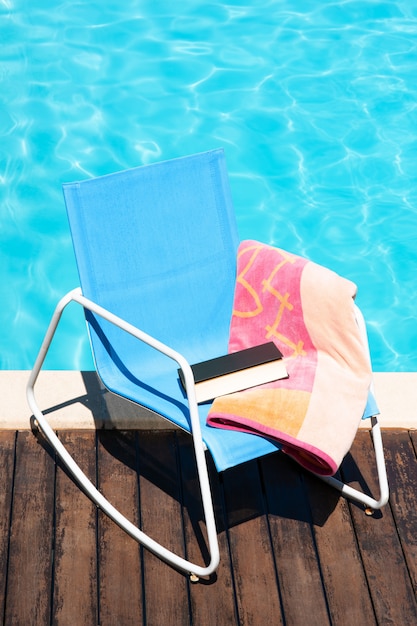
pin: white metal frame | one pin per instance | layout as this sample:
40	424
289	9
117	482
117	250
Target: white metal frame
354	494
170	557
195	571
349	492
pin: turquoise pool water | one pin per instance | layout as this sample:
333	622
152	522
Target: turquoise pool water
314	103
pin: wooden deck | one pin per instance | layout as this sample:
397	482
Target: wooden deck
292	551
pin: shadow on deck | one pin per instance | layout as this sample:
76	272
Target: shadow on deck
292	551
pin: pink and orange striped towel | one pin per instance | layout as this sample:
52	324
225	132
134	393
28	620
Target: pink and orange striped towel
308	311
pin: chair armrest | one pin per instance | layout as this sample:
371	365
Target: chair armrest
76	296
154	343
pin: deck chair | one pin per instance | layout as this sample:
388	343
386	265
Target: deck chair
156	253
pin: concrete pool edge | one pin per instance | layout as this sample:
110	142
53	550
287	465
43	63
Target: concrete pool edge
76	400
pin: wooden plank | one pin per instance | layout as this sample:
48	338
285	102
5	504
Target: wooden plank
290	521
273	559
120	584
389	582
31	535
255	578
344	578
7	458
402	478
166	599
212	601
75	575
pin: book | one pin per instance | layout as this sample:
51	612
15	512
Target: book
237	371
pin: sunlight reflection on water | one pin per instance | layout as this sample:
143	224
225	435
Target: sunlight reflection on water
314	105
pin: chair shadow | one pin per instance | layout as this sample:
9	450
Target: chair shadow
274	485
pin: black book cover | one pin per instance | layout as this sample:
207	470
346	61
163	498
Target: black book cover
234	362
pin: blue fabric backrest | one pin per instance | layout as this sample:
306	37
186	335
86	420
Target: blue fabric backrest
157	245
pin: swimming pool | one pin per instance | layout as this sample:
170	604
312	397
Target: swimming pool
314	103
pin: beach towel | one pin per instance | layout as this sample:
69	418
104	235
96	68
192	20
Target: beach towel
308	311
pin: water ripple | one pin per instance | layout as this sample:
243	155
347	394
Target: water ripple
315	104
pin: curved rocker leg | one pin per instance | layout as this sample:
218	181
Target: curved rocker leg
195	571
